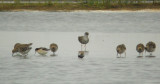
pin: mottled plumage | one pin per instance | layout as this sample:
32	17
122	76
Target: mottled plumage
121	49
17	44
21	48
84	39
140	48
150	47
53	47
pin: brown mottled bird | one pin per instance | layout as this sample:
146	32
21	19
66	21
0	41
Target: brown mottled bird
53	48
42	50
121	49
84	39
150	47
21	48
140	48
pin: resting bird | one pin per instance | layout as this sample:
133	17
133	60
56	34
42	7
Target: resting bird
42	50
121	49
21	48
140	48
84	40
53	48
150	47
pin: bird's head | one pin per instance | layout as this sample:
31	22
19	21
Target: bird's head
140	48
118	50
36	50
86	33
13	51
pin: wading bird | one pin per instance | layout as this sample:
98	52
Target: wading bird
150	47
140	48
23	49
42	50
84	40
53	48
121	49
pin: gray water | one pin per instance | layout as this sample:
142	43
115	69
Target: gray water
100	66
121	22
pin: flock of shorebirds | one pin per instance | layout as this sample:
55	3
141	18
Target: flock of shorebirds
150	48
23	49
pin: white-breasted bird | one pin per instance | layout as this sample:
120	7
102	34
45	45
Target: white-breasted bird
42	50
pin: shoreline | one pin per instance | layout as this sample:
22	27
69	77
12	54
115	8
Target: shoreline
74	7
115	10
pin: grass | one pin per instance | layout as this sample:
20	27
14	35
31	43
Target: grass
83	5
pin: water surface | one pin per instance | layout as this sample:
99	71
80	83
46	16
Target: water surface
100	66
108	22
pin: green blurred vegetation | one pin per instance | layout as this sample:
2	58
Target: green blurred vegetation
78	4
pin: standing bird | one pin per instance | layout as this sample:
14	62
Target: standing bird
42	50
150	47
121	49
140	48
84	39
21	48
53	48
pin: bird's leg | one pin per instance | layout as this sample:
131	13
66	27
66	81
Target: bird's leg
81	47
125	54
117	54
150	53
85	47
53	53
120	55
142	53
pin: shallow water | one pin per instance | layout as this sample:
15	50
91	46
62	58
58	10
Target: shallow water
108	22
99	66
